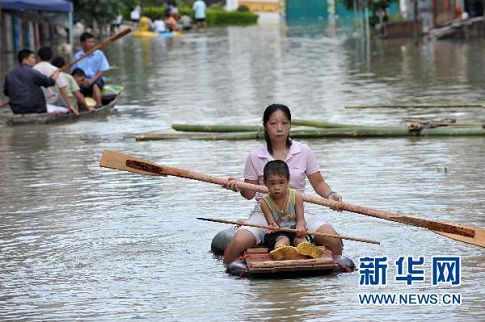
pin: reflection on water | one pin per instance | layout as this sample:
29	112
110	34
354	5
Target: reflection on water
82	242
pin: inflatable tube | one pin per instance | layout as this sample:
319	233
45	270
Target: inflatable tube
345	264
167	34
221	239
238	268
149	34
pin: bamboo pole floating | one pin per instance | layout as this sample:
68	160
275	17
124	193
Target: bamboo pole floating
101	45
215	128
290	230
324	124
120	161
420	105
357	132
223	128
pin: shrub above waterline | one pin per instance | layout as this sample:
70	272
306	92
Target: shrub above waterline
214	18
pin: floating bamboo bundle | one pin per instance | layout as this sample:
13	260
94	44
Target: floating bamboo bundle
155	136
323	124
215	128
356	132
222	128
420	105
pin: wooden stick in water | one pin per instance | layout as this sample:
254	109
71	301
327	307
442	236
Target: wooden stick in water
289	230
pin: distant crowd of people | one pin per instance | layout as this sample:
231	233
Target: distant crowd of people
41	86
172	21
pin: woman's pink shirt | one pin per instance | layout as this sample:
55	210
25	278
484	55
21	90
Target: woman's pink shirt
300	160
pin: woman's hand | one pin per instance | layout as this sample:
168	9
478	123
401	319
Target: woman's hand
335	197
231	184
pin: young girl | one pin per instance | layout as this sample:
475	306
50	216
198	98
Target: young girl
283	207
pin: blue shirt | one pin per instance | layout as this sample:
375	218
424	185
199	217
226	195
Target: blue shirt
92	64
199	8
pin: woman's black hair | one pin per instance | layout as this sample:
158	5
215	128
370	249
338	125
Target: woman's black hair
276	167
267	114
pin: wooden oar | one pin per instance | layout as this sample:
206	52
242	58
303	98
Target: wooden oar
121	161
289	230
101	45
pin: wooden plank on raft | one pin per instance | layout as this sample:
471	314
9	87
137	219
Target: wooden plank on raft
259	262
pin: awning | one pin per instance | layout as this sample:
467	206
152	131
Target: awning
39	5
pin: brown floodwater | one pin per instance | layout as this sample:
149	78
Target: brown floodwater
81	242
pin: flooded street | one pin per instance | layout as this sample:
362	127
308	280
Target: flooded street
81	242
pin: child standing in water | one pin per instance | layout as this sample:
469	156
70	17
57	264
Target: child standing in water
283	207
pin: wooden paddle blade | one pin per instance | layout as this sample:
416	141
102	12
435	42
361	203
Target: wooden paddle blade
117	161
146	167
478	239
436	226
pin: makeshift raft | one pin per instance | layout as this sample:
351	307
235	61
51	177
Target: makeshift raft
256	262
109	99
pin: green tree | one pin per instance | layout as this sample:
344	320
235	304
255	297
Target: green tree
100	13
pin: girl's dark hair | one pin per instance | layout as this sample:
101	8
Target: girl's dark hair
276	167
267	114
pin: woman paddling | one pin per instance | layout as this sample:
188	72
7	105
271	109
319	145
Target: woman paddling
302	164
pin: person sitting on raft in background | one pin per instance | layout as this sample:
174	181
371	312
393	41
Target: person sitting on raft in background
23	86
302	164
95	65
171	23
283	207
185	22
73	89
159	26
58	95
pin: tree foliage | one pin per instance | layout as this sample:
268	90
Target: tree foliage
99	13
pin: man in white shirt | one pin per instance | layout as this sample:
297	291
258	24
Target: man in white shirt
135	16
56	96
199	9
